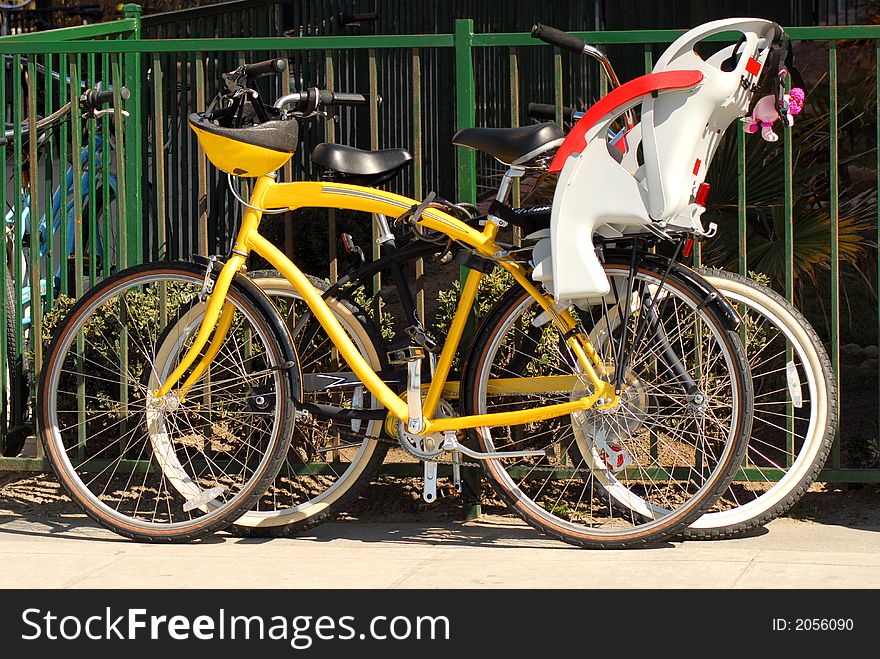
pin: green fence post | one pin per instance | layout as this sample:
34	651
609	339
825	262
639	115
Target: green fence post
133	210
466	178
464	108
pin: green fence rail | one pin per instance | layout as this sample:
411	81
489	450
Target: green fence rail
161	187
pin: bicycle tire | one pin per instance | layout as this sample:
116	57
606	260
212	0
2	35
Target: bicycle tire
810	456
9	370
202	433
647	522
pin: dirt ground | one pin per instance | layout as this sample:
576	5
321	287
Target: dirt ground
396	499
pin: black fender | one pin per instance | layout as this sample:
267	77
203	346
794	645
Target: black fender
682	274
273	316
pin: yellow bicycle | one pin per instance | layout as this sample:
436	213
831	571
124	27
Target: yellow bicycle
170	392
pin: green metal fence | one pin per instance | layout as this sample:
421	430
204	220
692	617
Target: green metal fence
151	205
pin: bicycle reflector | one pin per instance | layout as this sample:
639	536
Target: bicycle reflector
251	151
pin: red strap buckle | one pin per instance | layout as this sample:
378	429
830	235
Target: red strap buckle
702	193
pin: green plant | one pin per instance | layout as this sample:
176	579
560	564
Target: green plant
368	303
492	287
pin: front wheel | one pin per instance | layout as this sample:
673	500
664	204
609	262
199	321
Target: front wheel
177	467
640	472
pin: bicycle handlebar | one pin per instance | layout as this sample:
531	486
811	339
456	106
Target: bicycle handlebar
355	19
89	102
554	37
558	38
266	68
93	99
548	112
313	98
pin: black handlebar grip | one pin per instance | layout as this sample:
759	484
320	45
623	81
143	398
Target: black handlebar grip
92	99
557	38
341	98
548	112
351	19
269	67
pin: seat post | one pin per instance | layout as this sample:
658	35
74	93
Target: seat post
514	171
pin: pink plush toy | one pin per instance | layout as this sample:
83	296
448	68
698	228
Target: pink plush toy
765	114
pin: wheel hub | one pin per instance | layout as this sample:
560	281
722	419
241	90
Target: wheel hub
167	403
602	433
261	399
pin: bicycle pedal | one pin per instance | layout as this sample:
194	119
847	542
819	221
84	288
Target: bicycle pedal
405	355
448	491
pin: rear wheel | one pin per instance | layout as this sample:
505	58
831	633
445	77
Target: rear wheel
634	474
177	467
795	410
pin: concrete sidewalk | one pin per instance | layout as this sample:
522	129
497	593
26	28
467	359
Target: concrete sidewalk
70	552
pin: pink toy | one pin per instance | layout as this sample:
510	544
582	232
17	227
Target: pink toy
765	113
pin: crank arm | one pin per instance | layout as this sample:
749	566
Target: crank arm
429	486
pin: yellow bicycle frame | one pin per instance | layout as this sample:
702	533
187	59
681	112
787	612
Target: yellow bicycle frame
268	194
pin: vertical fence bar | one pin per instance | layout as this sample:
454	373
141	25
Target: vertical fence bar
34	190
834	209
123	192
201	163
464	108
516	192
188	216
172	183
76	159
418	174
108	240
132	183
788	209
49	183
467	192
159	155
287	173
91	187
374	145
877	166
329	82
18	209
557	84
65	218
125	227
